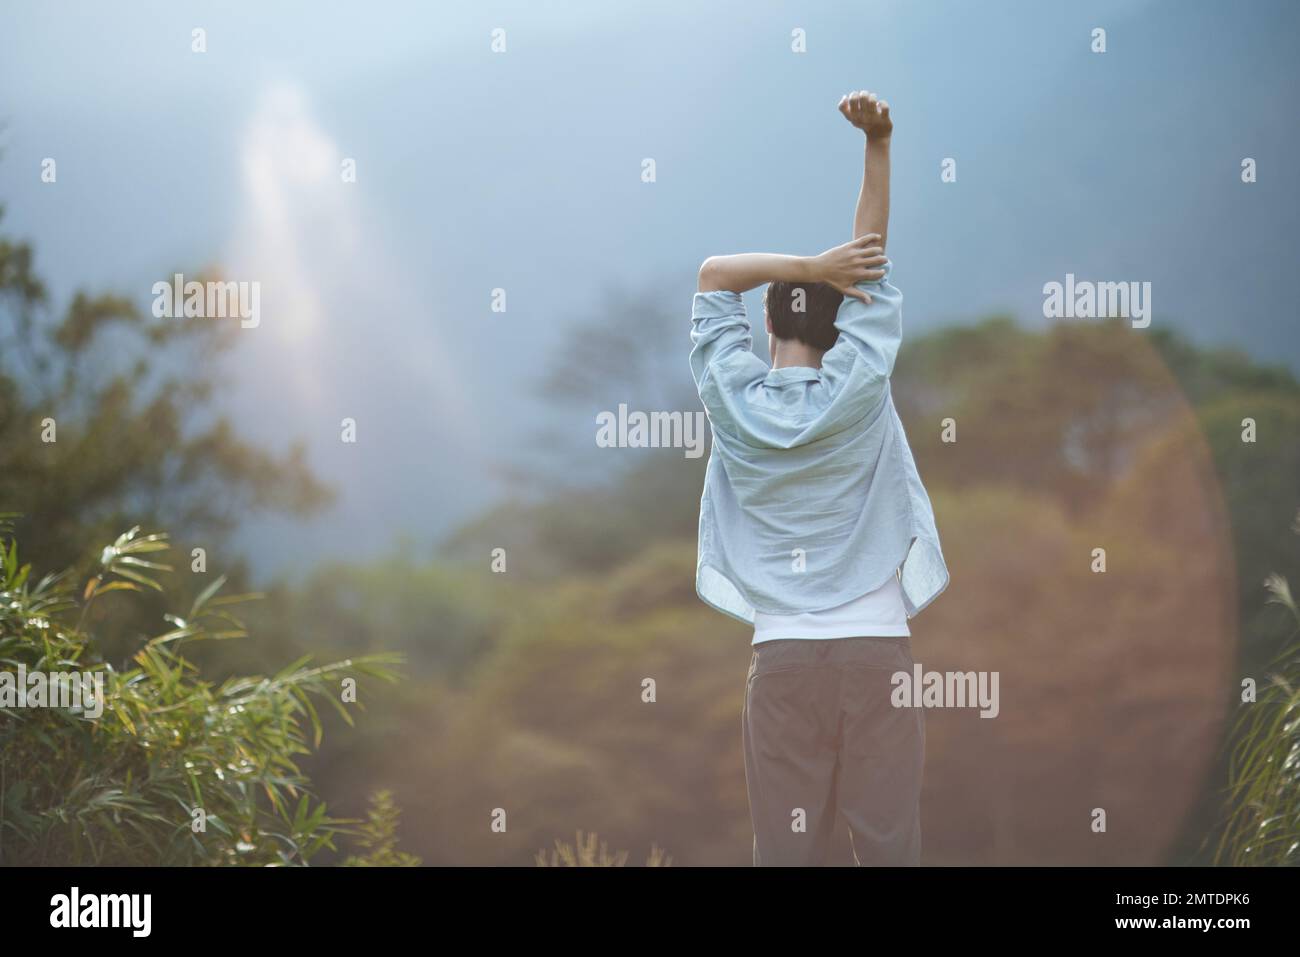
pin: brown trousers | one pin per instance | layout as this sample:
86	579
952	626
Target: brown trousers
823	742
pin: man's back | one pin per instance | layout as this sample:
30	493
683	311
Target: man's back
811	497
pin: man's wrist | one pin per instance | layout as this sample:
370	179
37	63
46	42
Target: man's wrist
811	268
879	139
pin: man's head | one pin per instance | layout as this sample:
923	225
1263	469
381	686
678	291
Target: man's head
802	312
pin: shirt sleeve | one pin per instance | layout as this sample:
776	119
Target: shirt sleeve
719	328
862	358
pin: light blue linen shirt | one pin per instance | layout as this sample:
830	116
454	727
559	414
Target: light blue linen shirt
811	496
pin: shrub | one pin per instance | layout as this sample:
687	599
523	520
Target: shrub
377	837
169	768
589	851
1263	821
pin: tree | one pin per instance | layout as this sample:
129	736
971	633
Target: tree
126	400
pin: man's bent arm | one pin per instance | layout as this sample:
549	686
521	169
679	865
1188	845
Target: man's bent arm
744	271
841	267
719	325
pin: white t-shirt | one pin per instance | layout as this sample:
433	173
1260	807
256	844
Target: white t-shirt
877	614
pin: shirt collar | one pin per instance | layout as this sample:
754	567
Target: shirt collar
793	374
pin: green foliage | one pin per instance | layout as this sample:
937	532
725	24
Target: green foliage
377	836
123	787
1263	822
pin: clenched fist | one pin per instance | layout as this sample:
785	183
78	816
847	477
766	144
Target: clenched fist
868	113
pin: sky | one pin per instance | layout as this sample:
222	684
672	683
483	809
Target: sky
522	170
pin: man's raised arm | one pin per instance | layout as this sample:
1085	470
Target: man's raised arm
871	115
861	361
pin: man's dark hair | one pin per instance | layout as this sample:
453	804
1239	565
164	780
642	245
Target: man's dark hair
804	311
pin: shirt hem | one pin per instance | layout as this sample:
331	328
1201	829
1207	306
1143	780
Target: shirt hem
868	631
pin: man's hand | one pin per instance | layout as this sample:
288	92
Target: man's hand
854	262
867	113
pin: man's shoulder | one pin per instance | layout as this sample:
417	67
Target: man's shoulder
737	371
